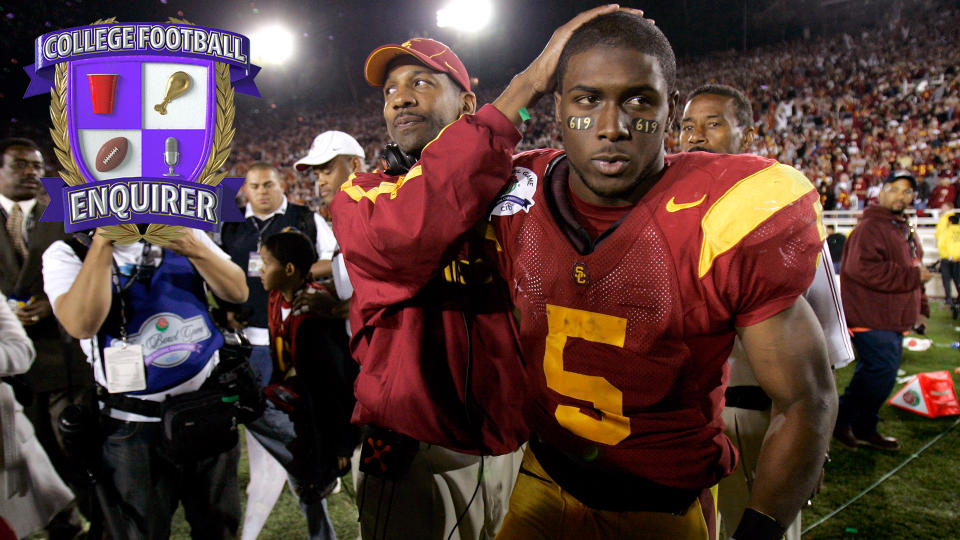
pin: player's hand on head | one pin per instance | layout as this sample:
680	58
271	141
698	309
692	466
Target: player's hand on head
541	74
526	89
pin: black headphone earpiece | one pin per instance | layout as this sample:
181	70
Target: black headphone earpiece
395	161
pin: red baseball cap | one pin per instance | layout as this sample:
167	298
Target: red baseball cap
431	53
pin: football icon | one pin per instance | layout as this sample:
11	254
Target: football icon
111	154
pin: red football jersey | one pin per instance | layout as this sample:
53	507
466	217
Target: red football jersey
626	338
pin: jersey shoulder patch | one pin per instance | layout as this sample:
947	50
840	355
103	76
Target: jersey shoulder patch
518	196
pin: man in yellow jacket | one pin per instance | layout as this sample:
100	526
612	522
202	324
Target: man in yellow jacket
948	245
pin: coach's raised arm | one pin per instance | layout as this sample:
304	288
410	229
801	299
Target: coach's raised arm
393	226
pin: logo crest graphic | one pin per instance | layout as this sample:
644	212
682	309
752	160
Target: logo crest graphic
142	119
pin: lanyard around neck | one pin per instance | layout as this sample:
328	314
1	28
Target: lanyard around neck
121	290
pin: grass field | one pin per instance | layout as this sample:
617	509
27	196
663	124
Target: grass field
920	501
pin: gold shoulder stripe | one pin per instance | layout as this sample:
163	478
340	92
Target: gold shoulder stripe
356	192
351	189
411	174
820	228
746	205
437	137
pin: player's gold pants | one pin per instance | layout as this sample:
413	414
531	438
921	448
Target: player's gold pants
540	509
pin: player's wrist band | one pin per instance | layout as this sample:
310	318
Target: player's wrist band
524	114
758	526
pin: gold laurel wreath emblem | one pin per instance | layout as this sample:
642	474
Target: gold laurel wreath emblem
156	233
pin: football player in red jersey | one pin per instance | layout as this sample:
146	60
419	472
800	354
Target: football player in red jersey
718	118
631	272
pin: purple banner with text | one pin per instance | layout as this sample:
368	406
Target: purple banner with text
120	201
142	39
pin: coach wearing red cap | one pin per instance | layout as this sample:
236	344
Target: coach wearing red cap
440	389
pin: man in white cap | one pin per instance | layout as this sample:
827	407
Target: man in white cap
333	157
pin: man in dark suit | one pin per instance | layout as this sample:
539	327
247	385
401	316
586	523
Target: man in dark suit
59	376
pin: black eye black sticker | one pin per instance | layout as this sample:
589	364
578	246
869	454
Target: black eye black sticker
579	122
645	126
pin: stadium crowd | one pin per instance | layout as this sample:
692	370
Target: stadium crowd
880	99
866	105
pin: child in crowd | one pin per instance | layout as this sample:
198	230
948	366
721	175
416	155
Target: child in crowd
306	425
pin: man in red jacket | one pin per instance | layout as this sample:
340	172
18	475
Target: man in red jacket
441	381
882	277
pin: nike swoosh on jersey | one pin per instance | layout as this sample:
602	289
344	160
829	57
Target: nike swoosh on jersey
676	207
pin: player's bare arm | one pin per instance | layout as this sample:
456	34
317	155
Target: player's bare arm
789	357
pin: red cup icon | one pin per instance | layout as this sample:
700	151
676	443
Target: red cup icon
102	90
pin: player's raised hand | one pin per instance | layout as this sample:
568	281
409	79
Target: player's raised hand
539	78
541	73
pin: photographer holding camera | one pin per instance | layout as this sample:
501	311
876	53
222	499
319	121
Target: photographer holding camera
140	311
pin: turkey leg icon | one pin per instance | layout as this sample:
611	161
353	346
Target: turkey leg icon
171	155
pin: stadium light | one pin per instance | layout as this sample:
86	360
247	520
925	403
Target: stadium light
271	45
465	15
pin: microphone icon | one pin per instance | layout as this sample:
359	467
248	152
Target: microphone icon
171	155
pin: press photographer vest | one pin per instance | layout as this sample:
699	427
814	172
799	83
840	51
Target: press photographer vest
167	315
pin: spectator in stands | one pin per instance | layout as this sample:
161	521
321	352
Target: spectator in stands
945	192
882	277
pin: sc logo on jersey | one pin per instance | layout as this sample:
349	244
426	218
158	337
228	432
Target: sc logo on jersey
580	276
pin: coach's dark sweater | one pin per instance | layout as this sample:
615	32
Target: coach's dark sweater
879	280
